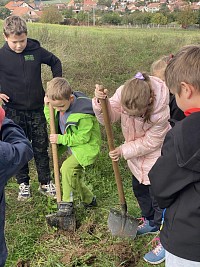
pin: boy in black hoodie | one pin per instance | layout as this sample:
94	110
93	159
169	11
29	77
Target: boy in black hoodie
23	96
175	177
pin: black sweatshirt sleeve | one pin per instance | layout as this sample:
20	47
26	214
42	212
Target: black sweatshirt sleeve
51	60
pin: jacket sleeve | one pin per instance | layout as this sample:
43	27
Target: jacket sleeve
80	135
15	150
114	107
151	141
51	60
47	113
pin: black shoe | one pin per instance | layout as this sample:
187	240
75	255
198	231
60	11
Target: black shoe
92	204
65	209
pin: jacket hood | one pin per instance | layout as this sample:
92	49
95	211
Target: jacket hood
161	94
188	152
83	104
32	44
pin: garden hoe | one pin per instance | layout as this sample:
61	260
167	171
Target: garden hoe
68	222
119	223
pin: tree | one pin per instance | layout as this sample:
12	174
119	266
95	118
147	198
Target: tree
51	15
68	13
111	18
104	3
159	18
164	9
171	17
4	2
198	18
4	13
186	17
140	18
82	16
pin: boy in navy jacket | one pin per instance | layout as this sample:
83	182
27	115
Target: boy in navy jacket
15	151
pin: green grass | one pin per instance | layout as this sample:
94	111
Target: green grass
89	56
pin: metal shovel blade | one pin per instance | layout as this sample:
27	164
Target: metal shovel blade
66	223
122	225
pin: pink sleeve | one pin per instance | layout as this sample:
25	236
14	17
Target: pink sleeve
114	107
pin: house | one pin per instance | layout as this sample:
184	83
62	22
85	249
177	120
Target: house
132	8
27	13
195	6
89	5
60	6
152	7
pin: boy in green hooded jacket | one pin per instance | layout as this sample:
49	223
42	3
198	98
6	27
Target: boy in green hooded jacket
78	131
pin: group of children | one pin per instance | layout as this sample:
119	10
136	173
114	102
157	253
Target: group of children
163	161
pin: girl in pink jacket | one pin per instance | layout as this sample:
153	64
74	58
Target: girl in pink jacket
142	105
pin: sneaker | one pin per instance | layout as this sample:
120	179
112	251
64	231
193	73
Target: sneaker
146	228
92	204
65	209
48	190
24	192
157	255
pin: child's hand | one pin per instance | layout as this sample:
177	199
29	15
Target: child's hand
46	100
115	154
53	138
100	94
3	98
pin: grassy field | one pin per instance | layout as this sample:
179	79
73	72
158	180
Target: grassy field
89	56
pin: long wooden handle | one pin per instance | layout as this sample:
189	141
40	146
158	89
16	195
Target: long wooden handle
111	146
55	155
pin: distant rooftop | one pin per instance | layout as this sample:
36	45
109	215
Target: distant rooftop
54	2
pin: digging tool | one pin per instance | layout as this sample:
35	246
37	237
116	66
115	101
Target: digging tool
119	223
68	222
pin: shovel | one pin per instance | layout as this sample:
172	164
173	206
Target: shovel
119	223
66	223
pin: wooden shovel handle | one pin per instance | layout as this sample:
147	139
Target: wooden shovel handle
55	155
111	146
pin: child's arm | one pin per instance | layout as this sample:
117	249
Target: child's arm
15	150
78	135
151	141
4	98
51	60
114	106
46	109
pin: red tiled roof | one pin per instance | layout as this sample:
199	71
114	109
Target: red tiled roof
20	11
89	3
152	5
13	4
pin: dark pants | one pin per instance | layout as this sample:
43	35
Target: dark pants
33	123
147	202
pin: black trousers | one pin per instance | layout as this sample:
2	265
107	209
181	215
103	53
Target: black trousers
33	123
148	204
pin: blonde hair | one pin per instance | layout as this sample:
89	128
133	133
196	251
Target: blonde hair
158	67
184	67
58	89
14	25
137	95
